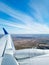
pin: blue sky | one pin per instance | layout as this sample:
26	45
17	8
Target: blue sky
24	16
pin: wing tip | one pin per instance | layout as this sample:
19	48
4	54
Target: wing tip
5	32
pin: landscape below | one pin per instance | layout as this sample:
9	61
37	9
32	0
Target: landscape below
21	41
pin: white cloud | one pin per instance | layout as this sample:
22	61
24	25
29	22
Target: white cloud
9	23
30	26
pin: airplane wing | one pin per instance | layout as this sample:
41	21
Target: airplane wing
6	50
6	45
2	45
10	49
9	60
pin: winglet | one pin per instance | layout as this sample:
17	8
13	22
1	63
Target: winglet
5	31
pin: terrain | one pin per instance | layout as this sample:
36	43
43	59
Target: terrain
31	41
